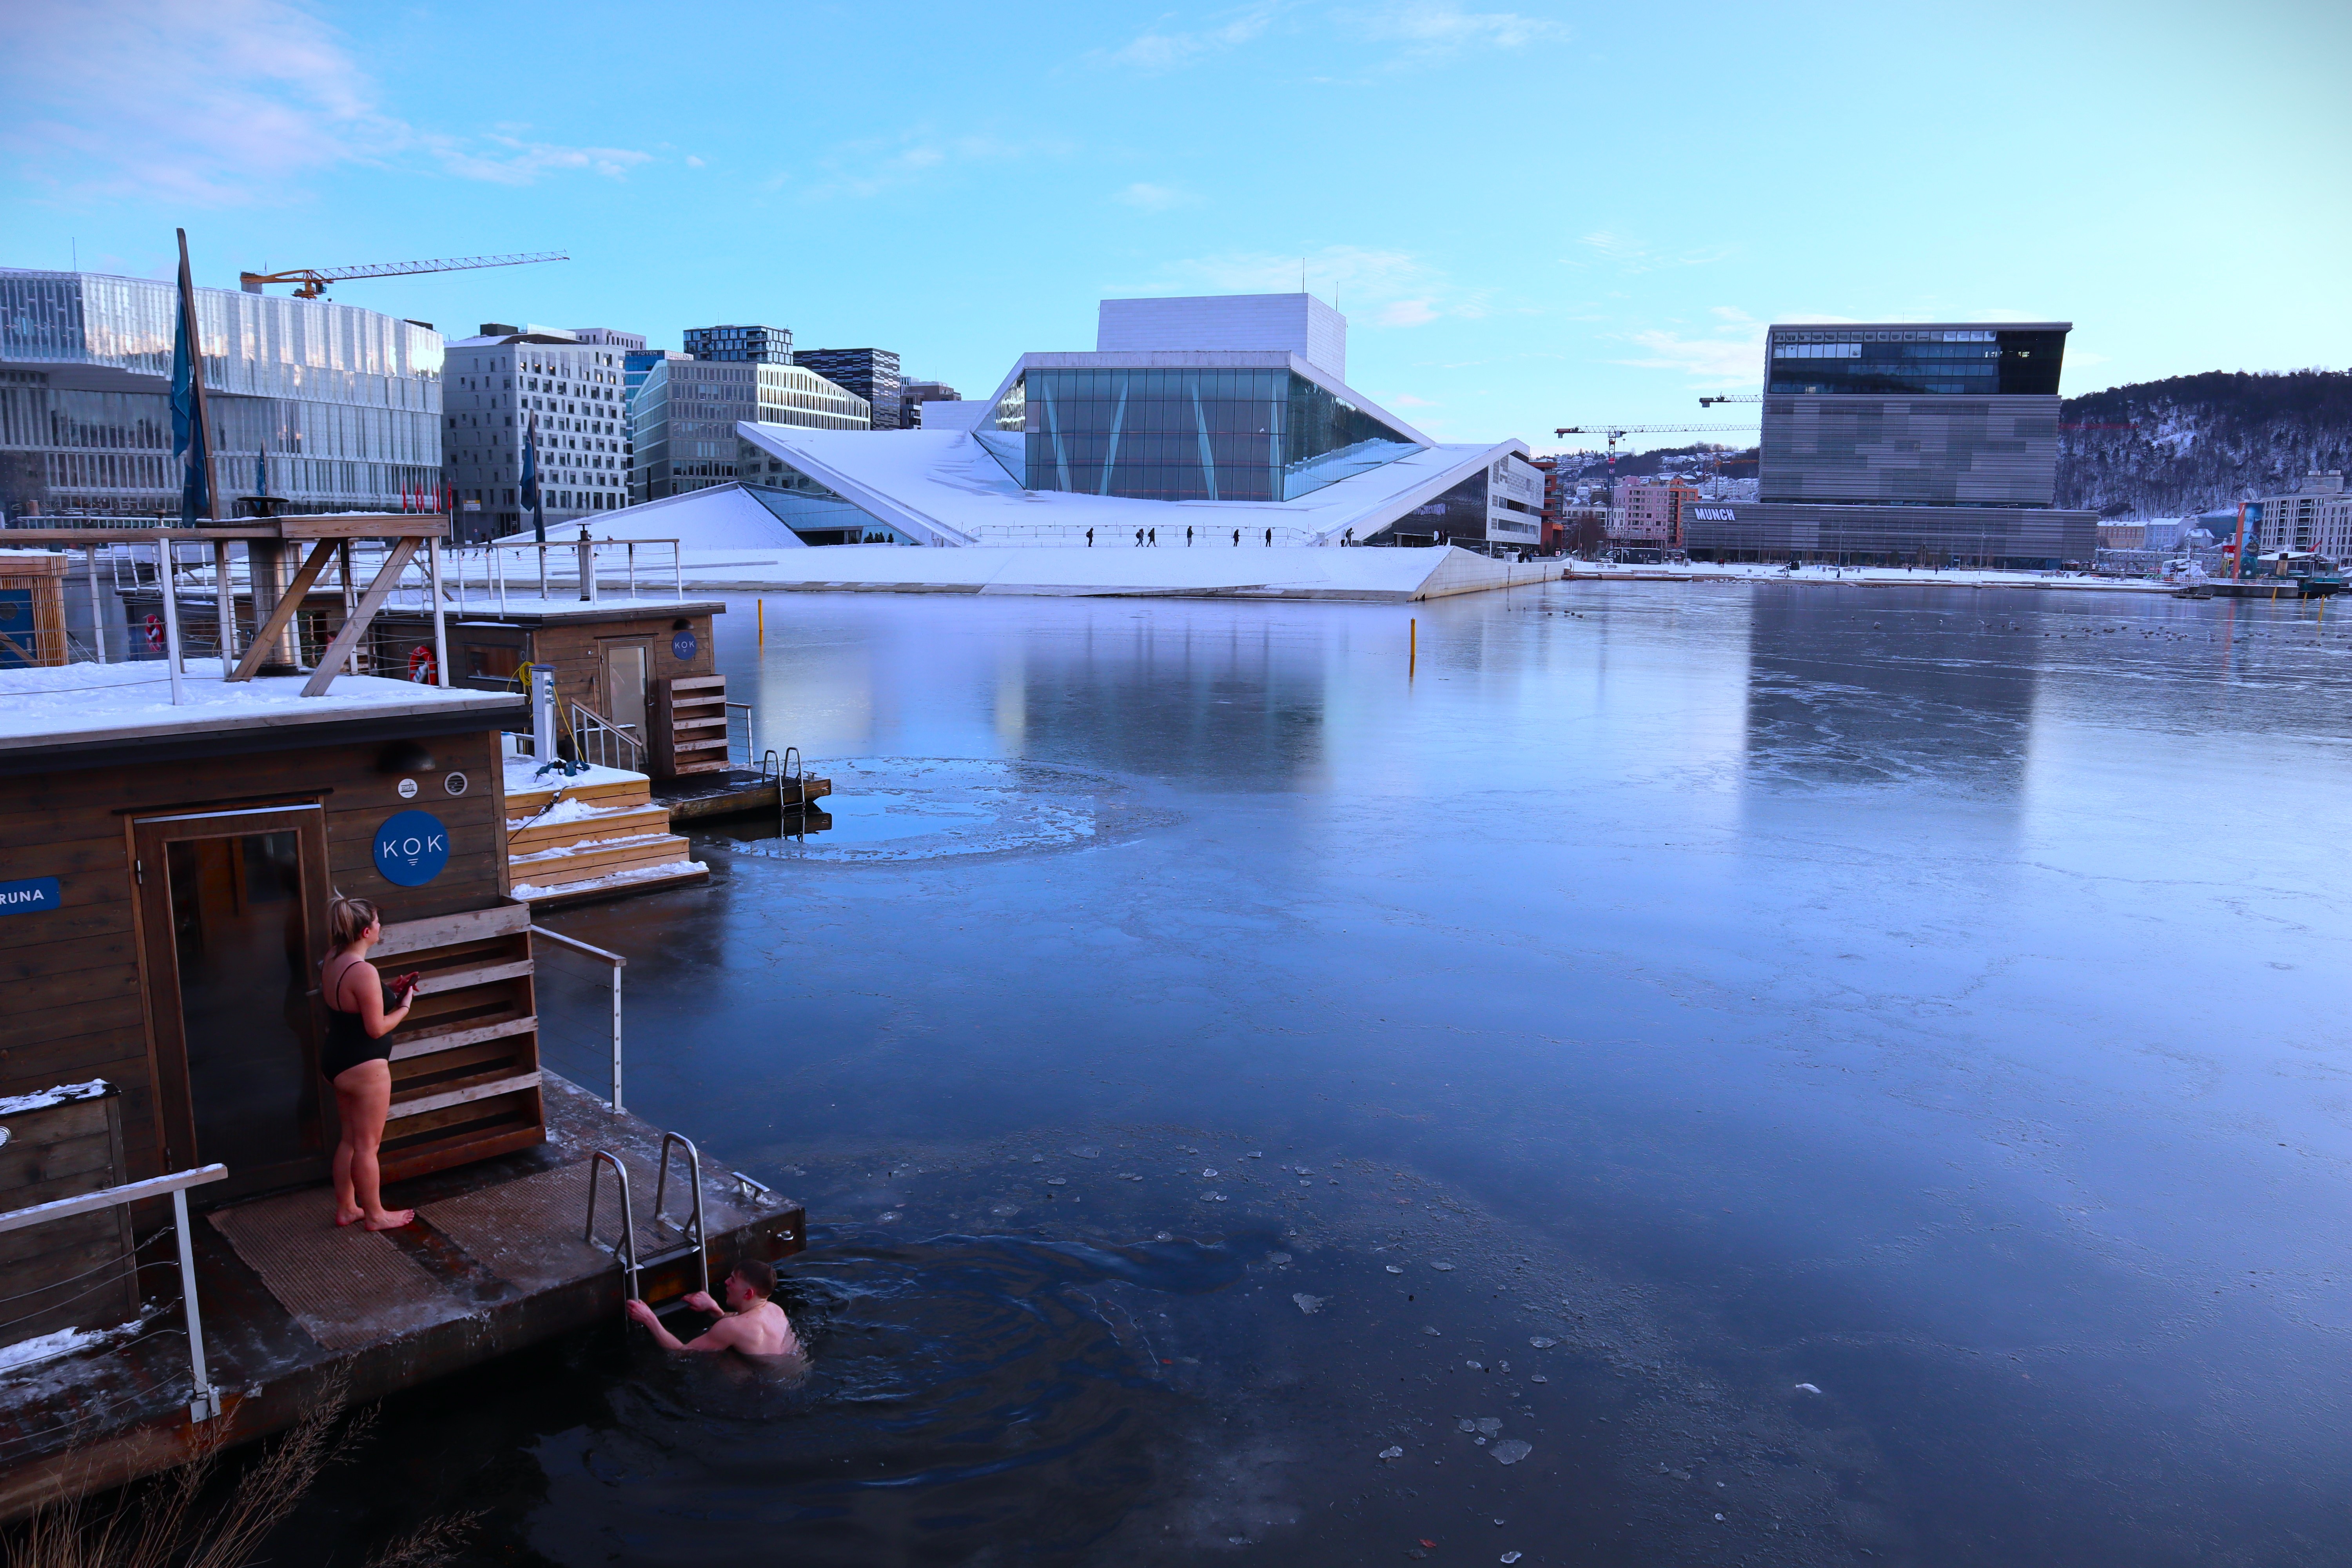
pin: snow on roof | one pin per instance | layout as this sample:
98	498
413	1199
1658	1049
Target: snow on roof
127	701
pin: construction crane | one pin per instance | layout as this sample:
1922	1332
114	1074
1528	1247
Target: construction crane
1731	397
310	282
1615	432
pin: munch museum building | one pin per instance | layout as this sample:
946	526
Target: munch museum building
1929	443
342	403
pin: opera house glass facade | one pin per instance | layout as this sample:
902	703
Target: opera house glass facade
1227	433
344	403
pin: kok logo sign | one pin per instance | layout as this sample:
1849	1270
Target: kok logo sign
411	848
1714	514
683	646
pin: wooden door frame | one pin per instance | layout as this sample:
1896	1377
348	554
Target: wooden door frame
156	941
604	646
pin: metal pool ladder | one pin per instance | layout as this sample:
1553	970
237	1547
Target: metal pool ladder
692	1229
693	1237
625	1250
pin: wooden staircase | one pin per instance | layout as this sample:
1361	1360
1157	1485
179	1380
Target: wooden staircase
592	836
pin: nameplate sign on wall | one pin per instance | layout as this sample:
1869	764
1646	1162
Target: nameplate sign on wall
411	848
30	896
683	646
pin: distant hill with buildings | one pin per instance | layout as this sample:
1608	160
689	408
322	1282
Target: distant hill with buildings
2197	443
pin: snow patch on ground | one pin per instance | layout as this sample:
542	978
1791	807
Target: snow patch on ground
49	1347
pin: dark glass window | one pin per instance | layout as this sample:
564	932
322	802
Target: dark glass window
1979	361
1184	435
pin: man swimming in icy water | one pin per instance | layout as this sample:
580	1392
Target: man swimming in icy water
750	1324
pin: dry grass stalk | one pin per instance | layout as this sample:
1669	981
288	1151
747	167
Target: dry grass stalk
157	1523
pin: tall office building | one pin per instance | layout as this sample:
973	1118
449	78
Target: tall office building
913	395
872	373
687	410
741	345
499	383
344	405
1932	443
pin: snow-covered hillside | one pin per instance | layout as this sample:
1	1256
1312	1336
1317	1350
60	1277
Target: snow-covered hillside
2195	443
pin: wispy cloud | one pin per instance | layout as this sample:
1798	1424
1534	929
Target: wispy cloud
227	102
1430	30
1728	356
1630	256
506	159
1160	47
1150	198
1379	288
871	168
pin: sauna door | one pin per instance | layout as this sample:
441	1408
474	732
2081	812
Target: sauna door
231	908
624	679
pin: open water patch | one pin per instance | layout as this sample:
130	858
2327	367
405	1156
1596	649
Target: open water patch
887	810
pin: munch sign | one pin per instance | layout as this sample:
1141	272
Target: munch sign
411	848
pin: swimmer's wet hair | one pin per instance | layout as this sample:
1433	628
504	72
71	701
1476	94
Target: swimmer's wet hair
758	1276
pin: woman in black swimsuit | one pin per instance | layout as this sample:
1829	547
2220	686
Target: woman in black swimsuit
362	1010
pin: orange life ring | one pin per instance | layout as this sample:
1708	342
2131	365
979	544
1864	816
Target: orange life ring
154	626
421	667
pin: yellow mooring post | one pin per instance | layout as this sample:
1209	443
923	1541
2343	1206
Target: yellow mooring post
763	621
1413	646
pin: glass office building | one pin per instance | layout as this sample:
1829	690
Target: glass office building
342	403
1224	432
687	410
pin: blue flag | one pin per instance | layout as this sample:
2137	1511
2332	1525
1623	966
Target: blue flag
261	473
187	430
531	475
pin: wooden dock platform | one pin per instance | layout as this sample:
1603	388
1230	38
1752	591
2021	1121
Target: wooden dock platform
495	1261
734	792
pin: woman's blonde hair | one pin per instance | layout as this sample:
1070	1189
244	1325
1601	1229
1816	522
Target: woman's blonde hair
348	919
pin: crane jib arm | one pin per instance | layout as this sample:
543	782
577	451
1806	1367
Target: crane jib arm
310	282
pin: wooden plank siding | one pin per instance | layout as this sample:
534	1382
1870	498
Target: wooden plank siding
76	986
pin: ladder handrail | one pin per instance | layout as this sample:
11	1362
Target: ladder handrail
628	1240
694	1177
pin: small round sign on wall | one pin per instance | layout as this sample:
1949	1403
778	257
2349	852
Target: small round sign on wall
683	647
411	848
455	783
408	789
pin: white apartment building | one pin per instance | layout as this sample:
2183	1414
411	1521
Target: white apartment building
2316	515
494	387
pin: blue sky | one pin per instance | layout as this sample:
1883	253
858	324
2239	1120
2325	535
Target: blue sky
1536	216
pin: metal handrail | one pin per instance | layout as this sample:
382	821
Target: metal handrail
203	1399
792	766
628	1240
618	963
593	733
695	1234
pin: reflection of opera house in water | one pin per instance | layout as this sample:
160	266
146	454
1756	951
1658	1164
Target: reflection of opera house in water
1223	420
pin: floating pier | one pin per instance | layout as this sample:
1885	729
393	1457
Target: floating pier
496	1259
